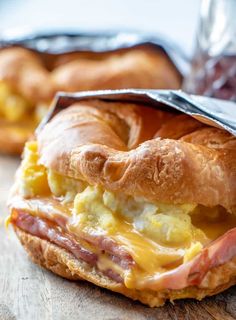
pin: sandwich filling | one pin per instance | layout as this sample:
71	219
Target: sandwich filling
18	112
130	239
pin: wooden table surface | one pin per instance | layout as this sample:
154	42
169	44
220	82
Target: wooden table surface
28	292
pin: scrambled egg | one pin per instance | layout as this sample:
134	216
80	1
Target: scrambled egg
165	224
135	222
92	211
33	176
13	107
65	187
160	222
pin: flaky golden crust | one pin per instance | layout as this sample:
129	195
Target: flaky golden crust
66	265
133	69
26	73
133	149
81	142
23	71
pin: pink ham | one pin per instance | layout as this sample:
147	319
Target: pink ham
117	253
192	273
45	229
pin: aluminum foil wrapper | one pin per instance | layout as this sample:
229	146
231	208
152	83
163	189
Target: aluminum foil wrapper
59	43
214	112
213	68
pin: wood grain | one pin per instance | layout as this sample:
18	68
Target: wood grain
28	292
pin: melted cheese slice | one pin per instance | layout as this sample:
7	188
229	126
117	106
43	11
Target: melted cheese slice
158	236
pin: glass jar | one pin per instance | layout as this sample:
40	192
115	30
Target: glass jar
213	68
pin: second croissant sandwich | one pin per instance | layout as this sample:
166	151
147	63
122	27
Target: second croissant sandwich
28	82
133	199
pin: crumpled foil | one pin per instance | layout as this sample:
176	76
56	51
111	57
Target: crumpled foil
214	112
58	43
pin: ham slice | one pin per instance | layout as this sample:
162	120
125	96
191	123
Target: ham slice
117	253
51	231
192	273
217	253
45	229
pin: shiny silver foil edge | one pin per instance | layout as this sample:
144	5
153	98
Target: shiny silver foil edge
58	43
215	112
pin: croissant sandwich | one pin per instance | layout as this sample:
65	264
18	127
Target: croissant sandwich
28	82
133	199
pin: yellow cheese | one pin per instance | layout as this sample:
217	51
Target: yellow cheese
105	263
166	224
161	242
157	236
194	249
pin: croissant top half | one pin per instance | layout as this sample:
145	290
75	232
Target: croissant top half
141	151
